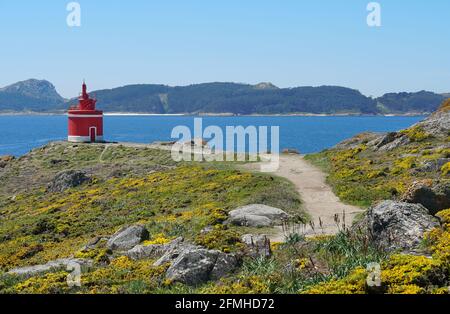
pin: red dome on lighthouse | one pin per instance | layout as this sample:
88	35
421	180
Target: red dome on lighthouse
85	122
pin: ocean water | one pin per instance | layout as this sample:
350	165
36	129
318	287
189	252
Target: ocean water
20	134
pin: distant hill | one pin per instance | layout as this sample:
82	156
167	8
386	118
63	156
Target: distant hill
30	95
263	98
422	101
234	98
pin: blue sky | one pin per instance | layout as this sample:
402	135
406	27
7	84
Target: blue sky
180	42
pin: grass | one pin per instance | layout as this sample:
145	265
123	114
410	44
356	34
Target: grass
362	176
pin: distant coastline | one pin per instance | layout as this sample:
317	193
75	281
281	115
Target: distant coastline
37	97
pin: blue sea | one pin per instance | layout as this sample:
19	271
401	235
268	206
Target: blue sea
20	133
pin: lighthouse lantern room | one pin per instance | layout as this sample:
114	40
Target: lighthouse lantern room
85	122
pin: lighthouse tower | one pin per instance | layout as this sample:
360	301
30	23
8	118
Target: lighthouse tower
85	122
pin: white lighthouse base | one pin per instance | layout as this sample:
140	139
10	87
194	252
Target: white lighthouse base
83	139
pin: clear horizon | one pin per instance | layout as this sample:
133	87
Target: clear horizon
176	43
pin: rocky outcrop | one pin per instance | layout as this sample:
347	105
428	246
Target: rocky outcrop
389	141
438	124
66	180
127	238
52	266
397	226
257	215
257	245
357	140
435	196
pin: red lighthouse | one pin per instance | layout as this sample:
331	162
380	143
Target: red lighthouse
85	122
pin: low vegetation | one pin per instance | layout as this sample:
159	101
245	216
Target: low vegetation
362	176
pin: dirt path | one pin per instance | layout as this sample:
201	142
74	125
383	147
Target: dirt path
318	198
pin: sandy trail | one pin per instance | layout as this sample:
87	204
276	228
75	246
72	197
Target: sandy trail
318	198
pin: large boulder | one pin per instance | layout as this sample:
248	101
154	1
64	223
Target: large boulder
257	215
174	251
397	226
257	245
52	266
435	196
199	265
67	179
127	238
250	221
192	264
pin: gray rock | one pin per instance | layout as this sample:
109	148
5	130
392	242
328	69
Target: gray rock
52	266
66	180
193	264
357	140
192	267
435	196
257	215
438	124
127	238
225	265
140	252
396	226
398	141
173	252
385	139
434	165
250	221
257	245
199	265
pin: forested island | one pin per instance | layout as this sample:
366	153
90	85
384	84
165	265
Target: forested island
40	96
